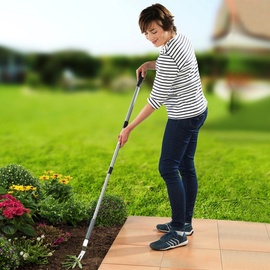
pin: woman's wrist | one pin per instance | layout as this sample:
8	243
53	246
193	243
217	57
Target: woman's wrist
151	65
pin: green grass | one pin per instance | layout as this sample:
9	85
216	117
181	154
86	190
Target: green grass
76	134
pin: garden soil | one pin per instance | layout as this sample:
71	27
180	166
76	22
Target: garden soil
100	242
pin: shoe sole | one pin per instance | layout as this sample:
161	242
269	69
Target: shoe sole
164	231
187	233
171	247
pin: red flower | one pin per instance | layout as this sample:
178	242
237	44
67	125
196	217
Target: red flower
11	207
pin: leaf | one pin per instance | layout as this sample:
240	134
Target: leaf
26	229
79	264
27	218
72	262
9	229
2	190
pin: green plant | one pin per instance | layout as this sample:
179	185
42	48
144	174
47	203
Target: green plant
9	258
33	79
53	236
53	184
112	211
27	195
235	101
67	212
2	191
32	250
14	174
14	217
71	262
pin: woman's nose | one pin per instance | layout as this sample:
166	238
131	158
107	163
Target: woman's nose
149	37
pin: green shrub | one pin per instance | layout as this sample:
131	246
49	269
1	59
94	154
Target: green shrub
59	191
33	79
71	211
112	211
14	174
9	258
235	102
55	185
2	191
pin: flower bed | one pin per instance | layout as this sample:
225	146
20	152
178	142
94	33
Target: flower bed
99	244
42	221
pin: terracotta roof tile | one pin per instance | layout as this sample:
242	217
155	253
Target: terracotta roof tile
251	16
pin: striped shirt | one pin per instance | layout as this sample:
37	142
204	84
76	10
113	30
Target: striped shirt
177	83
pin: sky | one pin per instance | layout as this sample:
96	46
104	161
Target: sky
100	27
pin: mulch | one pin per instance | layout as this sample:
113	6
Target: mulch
100	242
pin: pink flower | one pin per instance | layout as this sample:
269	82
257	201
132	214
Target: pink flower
8	213
8	196
11	207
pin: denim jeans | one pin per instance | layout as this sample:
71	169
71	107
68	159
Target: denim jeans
176	166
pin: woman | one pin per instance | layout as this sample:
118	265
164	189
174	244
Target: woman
177	86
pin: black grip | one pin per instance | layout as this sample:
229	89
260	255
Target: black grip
110	170
140	81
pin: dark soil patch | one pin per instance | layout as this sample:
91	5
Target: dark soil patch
99	243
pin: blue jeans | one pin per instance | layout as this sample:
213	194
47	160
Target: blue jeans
176	166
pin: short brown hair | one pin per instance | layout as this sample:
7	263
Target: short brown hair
159	14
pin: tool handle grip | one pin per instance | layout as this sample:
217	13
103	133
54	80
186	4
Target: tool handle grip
140	81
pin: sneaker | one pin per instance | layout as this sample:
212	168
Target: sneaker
169	240
189	229
166	227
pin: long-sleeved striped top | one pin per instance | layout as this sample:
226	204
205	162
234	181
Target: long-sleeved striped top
177	83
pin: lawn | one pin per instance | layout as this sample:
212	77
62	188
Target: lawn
75	134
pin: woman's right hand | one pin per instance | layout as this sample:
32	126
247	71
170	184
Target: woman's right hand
142	70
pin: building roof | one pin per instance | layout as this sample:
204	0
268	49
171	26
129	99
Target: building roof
247	17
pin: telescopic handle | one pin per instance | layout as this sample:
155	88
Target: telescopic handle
140	81
136	92
93	220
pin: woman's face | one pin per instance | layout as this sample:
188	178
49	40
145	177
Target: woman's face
157	35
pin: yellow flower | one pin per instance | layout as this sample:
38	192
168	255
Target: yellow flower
64	181
56	176
21	188
48	172
44	177
16	187
68	177
27	188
